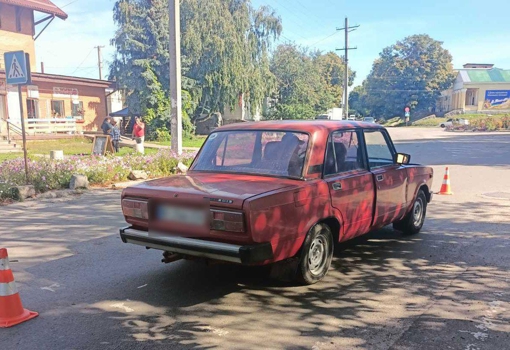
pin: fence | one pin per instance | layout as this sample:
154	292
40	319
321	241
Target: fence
45	126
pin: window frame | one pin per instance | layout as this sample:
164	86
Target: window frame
80	106
364	159
389	143
36	107
63	108
305	164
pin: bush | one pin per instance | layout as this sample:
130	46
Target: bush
47	174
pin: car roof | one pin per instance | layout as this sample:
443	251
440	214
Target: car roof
308	126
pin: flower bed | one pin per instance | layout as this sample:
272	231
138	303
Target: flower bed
48	174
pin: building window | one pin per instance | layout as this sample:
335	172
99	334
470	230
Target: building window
57	109
33	109
77	108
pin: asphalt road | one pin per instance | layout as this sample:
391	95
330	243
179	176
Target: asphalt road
446	288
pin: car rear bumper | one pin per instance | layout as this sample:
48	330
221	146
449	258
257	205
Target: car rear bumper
243	254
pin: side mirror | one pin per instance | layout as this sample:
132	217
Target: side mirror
402	158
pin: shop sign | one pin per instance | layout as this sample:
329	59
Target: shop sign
497	99
65	92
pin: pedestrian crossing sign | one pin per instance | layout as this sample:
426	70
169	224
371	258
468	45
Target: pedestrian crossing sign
17	71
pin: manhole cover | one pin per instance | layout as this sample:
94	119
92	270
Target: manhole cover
498	195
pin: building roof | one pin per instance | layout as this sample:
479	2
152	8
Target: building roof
64	79
45	6
494	75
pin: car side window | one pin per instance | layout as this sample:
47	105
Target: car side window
343	153
378	150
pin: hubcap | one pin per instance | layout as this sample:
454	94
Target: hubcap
317	255
418	212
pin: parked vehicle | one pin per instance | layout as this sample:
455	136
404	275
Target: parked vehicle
351	117
259	193
451	122
369	120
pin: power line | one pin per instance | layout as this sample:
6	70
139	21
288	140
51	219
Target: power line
70	3
82	62
329	36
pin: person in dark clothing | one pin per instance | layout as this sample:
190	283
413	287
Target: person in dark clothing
115	134
106	126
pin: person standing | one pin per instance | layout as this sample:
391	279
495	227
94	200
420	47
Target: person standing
139	134
115	134
106	126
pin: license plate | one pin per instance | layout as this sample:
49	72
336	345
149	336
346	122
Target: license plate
180	215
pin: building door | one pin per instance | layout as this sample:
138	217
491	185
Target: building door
3	114
350	183
32	108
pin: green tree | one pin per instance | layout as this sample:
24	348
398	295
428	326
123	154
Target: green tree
308	84
411	72
331	70
226	43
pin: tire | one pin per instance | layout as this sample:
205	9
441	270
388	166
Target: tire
412	223
443	126
316	255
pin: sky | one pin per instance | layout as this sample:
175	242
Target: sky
473	31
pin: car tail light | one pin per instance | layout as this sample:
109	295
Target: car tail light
227	221
135	209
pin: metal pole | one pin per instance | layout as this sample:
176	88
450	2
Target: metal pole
23	132
175	76
100	62
346	73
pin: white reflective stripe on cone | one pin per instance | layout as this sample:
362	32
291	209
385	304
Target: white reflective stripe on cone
7	289
4	264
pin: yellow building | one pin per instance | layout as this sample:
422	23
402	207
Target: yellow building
478	88
79	104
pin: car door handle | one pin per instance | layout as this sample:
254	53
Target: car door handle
379	177
337	186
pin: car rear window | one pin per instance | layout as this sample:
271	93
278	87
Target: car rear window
254	152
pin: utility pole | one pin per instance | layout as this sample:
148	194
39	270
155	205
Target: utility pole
347	30
175	76
99	61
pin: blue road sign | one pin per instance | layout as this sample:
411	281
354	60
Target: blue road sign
16	70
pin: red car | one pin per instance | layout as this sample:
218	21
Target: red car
258	193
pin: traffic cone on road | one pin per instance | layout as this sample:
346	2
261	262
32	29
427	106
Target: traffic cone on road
445	187
11	309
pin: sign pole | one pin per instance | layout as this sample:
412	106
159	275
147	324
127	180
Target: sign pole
175	76
17	72
23	132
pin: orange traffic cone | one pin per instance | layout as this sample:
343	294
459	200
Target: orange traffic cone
11	309
445	187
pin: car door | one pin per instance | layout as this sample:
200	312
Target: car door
350	182
390	178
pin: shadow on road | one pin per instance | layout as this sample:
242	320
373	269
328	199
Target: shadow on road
380	292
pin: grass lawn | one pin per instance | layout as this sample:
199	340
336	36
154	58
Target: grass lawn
74	146
432	122
196	142
9	156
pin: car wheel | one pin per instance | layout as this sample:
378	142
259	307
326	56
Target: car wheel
316	255
413	221
443	126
